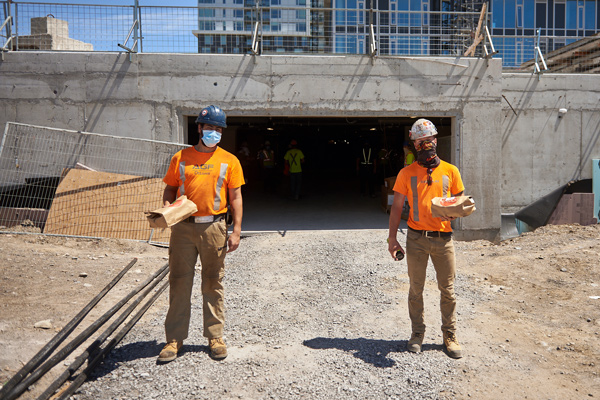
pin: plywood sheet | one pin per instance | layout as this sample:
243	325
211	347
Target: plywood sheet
574	208
101	204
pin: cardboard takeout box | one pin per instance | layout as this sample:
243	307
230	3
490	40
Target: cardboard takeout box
452	207
166	217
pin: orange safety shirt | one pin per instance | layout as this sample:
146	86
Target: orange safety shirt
205	177
412	182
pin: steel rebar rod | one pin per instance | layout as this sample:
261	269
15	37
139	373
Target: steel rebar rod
83	336
91	349
60	336
114	341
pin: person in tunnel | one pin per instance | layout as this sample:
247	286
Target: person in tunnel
294	158
366	167
266	158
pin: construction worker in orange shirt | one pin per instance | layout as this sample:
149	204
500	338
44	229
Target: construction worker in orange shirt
427	237
212	178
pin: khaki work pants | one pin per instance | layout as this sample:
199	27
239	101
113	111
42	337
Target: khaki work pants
441	250
188	240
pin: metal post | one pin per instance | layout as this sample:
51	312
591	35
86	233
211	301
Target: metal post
538	55
136	35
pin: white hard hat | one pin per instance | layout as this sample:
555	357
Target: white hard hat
422	128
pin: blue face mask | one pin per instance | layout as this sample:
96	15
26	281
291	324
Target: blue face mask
211	138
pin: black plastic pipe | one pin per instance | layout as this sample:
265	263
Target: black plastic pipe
76	342
91	349
60	336
97	358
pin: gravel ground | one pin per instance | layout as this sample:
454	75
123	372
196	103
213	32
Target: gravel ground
307	317
323	314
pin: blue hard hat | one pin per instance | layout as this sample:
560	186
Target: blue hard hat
212	115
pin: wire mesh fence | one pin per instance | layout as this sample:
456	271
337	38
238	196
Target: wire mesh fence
236	28
82	184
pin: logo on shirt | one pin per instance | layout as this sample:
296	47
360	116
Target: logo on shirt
203	169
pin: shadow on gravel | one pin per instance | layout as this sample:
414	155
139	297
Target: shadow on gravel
138	350
371	351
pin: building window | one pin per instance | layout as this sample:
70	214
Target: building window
559	14
206	12
540	15
206	25
529	14
498	14
590	14
510	14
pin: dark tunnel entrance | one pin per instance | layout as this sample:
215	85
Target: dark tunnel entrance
331	189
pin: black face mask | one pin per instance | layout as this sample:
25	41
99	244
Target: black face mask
427	154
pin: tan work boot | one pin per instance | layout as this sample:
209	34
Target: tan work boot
415	342
451	343
218	349
169	352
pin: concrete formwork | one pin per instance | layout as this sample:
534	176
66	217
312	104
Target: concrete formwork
150	96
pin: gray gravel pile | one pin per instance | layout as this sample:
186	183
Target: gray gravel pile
315	315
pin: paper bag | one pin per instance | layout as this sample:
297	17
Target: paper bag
166	217
452	207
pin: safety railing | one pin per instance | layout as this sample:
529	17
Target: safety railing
8	36
259	30
6	29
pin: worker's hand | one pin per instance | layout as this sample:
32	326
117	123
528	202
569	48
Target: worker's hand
394	246
167	204
233	242
447	218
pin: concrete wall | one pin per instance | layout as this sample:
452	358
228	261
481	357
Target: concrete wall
149	96
541	150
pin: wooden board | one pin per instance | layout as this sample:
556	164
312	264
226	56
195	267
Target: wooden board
13	216
108	205
576	208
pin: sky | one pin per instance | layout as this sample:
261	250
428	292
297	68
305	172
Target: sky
167	25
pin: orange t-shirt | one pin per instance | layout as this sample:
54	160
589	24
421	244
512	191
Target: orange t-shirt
205	177
412	182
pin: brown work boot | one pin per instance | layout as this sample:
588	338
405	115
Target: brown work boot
451	343
415	342
218	349
169	352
